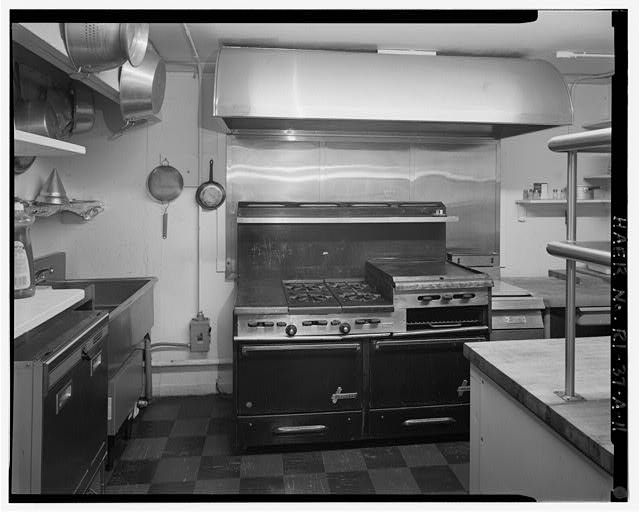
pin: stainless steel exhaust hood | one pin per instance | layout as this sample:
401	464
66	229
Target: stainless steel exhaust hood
291	91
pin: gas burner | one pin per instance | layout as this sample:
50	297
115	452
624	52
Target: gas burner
304	287
358	297
349	285
310	298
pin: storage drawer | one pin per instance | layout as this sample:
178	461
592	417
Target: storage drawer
419	422
301	428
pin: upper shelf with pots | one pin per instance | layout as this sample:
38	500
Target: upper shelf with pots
27	144
93	54
45	40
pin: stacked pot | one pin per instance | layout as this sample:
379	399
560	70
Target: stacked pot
94	47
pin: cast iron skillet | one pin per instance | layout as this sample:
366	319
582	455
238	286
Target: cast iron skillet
210	195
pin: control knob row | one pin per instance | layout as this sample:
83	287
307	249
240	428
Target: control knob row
343	328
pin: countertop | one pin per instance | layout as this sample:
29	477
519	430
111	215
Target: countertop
29	313
531	371
553	291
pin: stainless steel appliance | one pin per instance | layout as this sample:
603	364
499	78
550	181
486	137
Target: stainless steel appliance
59	429
129	302
515	313
329	91
344	338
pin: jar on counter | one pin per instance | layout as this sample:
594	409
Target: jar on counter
555	194
23	281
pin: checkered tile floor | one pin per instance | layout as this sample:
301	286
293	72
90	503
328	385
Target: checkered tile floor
185	445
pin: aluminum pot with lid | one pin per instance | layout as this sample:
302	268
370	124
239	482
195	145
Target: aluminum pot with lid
142	88
96	47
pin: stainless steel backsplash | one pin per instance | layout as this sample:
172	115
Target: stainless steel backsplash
463	173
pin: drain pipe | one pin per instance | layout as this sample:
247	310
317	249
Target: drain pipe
148	381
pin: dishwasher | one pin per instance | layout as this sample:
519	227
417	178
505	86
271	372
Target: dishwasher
59	423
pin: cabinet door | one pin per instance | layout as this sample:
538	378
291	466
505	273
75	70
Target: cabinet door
298	377
419	372
74	426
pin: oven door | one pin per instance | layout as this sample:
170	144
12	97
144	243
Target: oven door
298	377
431	392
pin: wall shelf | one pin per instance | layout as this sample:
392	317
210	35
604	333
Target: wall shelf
563	203
27	144
87	210
558	208
45	40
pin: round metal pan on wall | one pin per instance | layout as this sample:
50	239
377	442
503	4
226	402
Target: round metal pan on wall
165	184
210	195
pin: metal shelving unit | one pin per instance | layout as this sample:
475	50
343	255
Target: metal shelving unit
592	141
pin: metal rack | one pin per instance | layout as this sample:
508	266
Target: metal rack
591	141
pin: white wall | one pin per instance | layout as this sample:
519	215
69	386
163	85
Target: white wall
126	239
526	159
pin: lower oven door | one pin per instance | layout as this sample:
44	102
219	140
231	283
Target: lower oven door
419	387
298	377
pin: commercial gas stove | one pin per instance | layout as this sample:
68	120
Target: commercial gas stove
318	308
346	334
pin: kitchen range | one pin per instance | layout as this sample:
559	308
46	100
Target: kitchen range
340	337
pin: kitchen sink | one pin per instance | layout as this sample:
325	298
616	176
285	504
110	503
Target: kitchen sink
129	302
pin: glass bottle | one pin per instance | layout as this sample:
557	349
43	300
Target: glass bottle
23	281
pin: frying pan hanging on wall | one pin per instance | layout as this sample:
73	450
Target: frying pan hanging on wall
210	195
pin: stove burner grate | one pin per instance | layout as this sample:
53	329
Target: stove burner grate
310	298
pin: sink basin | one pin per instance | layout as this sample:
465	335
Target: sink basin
129	302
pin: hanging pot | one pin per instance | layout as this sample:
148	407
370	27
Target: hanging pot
93	47
142	88
33	116
84	114
210	195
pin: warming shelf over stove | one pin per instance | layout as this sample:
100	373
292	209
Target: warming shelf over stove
343	213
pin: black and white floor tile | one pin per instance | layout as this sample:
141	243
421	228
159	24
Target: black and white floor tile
185	445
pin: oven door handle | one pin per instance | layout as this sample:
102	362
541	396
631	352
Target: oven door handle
428	421
430	342
443	331
272	348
